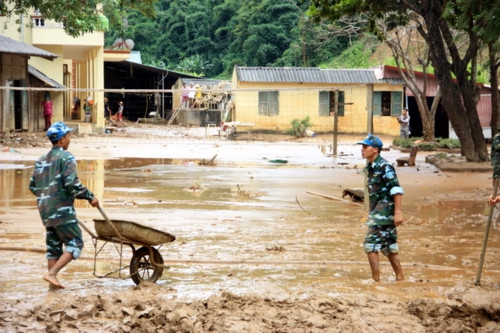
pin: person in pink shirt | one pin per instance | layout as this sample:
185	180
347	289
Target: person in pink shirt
47	112
119	114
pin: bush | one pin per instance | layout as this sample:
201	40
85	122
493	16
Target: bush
448	143
427	146
404	143
299	127
443	156
440	143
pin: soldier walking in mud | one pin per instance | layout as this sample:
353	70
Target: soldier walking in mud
385	198
55	184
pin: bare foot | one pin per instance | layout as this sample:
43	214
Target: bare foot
53	287
52	279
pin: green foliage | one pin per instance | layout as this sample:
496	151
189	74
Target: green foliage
455	32
228	33
356	56
440	144
78	16
427	146
194	65
443	156
404	143
299	127
448	143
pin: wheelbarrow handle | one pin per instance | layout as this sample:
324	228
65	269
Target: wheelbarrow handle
103	214
111	224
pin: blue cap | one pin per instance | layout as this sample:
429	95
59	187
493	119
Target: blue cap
57	131
371	140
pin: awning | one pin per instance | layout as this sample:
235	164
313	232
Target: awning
8	45
44	78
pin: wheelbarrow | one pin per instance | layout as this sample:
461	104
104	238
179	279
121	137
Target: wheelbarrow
147	262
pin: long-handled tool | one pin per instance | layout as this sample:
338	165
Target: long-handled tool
335	199
486	235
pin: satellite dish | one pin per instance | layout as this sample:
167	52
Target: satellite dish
129	44
119	43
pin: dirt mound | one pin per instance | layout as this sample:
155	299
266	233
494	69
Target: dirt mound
150	308
457	163
22	139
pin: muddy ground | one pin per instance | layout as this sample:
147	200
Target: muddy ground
264	240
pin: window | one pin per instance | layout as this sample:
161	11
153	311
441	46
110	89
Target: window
387	103
327	103
268	103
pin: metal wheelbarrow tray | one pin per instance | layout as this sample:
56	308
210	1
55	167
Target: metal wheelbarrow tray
133	232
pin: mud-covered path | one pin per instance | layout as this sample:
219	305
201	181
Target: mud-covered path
255	250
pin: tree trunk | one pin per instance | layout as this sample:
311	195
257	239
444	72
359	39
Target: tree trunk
494	63
459	97
426	116
406	71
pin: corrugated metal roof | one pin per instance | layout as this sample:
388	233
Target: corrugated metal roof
44	78
8	45
305	75
207	82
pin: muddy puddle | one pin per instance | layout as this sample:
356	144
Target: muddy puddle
255	227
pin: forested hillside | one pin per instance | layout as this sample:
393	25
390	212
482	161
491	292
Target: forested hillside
209	37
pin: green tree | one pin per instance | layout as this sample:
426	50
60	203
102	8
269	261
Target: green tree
264	31
489	33
194	65
78	16
456	69
227	33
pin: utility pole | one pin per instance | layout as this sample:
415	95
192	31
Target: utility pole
369	108
335	123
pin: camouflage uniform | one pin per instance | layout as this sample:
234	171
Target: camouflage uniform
383	184
56	185
495	156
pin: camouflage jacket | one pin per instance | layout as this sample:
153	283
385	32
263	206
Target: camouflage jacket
495	155
383	184
56	185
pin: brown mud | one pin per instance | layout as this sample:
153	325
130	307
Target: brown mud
256	250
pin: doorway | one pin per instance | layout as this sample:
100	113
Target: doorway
441	121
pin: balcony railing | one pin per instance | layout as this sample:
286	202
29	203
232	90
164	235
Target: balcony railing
40	22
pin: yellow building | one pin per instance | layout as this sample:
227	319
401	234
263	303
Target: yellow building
76	74
271	97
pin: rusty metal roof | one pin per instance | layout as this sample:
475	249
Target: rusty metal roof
8	45
306	75
223	84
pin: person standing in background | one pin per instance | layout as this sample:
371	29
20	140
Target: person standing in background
119	114
191	93
47	112
404	124
184	97
107	110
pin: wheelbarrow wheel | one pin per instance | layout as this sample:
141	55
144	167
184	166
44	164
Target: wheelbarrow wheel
142	267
